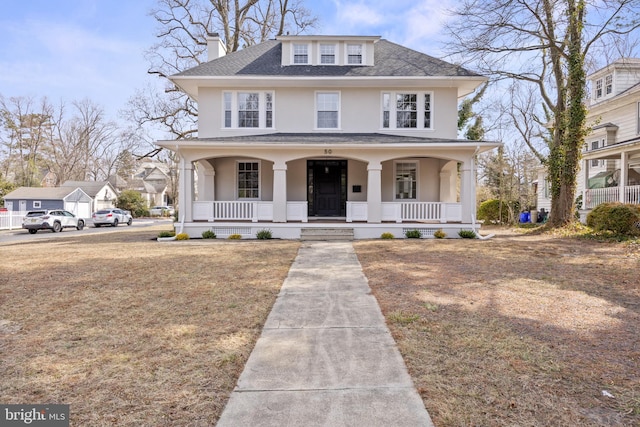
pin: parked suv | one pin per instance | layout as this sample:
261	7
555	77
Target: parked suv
111	217
54	220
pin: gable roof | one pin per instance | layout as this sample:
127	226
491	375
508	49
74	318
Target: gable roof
43	193
264	59
92	188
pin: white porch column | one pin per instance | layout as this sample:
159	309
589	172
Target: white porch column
374	192
279	192
585	185
624	173
185	199
468	190
206	184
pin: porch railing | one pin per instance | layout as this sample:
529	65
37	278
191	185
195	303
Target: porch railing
408	211
253	211
595	196
10	220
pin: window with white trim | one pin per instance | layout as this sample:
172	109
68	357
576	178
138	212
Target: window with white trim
248	180
354	54
327	54
608	84
328	110
37	204
406	179
594	146
248	109
401	110
598	90
300	54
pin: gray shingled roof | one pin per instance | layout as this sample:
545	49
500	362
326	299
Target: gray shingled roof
44	193
90	187
264	59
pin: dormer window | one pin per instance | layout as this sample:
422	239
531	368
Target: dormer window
300	54
608	84
354	54
327	54
598	91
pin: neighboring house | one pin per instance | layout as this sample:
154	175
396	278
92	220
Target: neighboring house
348	132
74	200
151	181
611	160
610	166
102	193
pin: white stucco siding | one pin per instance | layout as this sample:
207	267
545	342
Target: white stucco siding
429	180
360	111
296	180
357	175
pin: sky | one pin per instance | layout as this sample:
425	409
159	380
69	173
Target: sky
70	50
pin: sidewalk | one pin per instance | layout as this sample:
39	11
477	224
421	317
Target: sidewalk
325	356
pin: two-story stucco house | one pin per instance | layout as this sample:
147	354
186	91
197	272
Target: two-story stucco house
303	133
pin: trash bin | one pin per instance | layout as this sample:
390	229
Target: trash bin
534	216
525	217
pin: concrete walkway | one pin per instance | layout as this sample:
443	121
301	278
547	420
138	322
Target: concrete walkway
325	356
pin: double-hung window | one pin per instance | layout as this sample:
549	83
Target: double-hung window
406	180
402	110
248	180
598	90
608	84
248	109
354	54
327	54
300	54
594	146
328	106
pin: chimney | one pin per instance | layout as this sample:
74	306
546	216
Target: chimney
215	47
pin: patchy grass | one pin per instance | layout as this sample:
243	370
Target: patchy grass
129	331
521	329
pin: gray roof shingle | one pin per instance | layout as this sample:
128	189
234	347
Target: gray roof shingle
264	59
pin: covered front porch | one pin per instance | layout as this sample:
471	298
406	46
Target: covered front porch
621	181
241	187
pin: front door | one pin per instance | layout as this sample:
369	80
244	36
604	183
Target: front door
327	184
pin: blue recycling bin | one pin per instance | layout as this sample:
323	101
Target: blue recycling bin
525	217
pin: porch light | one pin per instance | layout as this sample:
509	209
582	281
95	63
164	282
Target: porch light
326	169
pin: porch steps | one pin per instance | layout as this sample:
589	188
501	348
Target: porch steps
326	234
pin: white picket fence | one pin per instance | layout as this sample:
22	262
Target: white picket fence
11	220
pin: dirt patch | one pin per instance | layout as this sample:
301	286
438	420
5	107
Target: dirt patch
130	331
516	330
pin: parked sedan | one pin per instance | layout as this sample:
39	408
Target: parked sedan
54	220
111	217
162	211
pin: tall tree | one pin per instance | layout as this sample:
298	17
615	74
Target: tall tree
545	43
183	26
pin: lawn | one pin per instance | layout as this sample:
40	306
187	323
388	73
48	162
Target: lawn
130	331
516	330
519	330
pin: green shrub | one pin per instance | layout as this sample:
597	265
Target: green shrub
182	236
387	236
618	218
264	234
440	234
167	234
467	234
492	212
133	201
234	237
413	234
208	234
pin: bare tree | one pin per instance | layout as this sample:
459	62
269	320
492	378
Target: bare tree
182	33
545	43
26	129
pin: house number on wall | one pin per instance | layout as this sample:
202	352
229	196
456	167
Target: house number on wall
328	151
